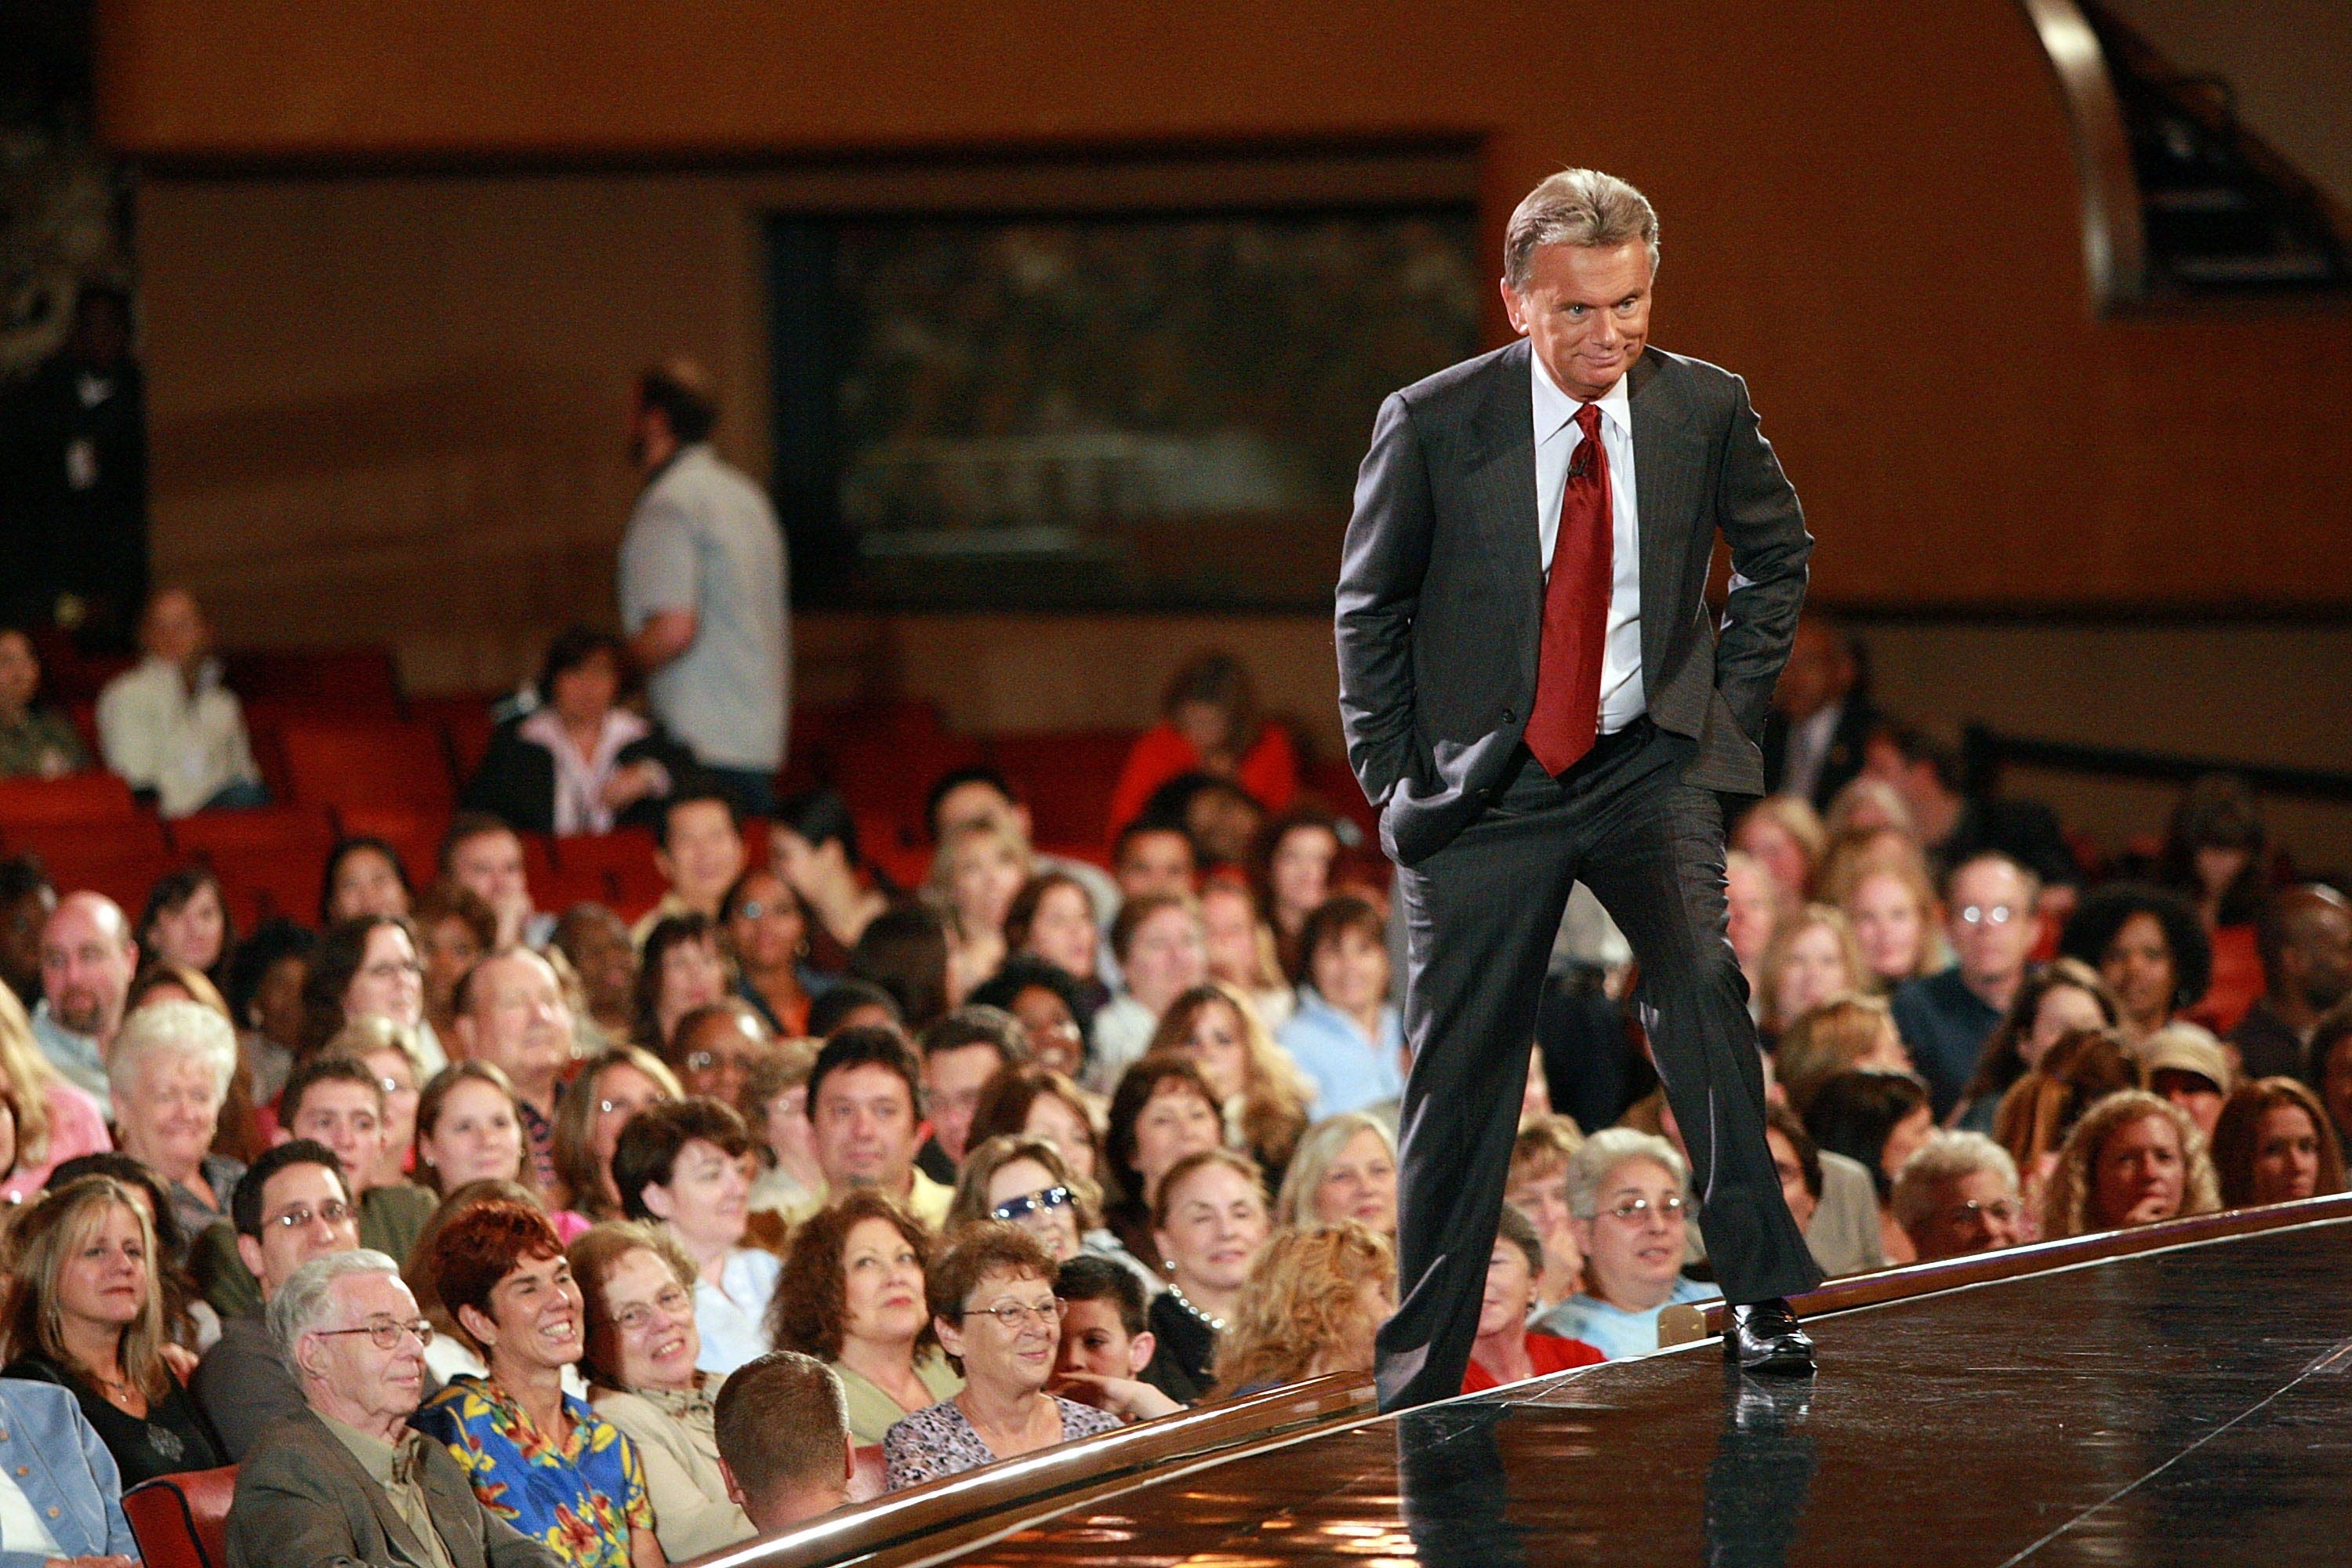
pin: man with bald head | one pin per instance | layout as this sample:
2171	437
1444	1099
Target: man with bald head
2306	936
168	726
88	957
511	1014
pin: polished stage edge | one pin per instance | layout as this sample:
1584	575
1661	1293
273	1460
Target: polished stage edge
2192	1406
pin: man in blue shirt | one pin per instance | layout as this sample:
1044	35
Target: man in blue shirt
1946	1018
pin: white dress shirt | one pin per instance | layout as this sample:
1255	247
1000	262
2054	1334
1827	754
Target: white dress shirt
185	745
1622	699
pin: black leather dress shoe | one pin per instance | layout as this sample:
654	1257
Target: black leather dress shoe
1767	1338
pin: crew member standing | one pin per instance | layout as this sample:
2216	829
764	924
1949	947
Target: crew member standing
1533	696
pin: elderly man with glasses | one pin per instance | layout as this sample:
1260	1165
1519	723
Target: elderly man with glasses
1957	1194
345	1478
1629	1207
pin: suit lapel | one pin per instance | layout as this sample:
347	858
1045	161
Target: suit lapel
1502	470
1667	464
403	1540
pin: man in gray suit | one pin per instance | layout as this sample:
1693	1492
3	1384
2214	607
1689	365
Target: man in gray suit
1533	696
345	1480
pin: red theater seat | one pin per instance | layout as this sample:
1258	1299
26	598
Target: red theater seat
1066	777
465	726
78	797
269	862
327	683
182	1521
614	868
392	763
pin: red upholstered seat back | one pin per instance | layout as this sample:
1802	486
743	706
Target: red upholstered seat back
182	1521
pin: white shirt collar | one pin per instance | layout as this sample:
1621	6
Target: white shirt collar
1556	409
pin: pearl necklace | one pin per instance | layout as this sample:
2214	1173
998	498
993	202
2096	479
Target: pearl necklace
1215	1324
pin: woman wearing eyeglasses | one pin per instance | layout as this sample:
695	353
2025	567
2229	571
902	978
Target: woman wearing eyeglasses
1026	1181
1628	1196
994	1310
639	1286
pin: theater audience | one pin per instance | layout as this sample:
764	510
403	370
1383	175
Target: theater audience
681	1165
767	933
48	1119
1154	860
87	958
1785	835
1812	957
775	1109
1538	1188
2042	1106
291	1207
37	741
87	1312
1832	1197
700	855
852	1295
1345	1036
1946	1018
2272	1144
978	871
534	1453
1209	1223
169	727
454	931
578	763
1891	905
1053	920
2304	936
1053	1008
1035	1101
363	877
2213	857
1164	1112
682	967
345	1478
67	1509
595	942
2186	1065
904	953
962	1052
1313	1303
2133	1159
2056	999
186	922
1161	954
1242	949
1506	1349
511	1014
1107	1343
1876	1119
609	1088
863	1096
994	1308
1846	1032
1209	723
814	847
1265	1103
1869	809
1346	1169
782	1428
644	1377
1957	1194
1629	1194
1291	874
171	1068
2147	944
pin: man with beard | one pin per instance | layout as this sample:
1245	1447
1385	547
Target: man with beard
88	957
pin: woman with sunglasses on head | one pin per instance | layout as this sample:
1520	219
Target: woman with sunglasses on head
1629	1194
1026	1181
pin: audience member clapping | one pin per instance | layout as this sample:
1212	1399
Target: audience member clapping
1054	1009
1629	1193
767	931
1036	1101
2146	943
775	1109
783	1429
682	967
979	870
1264	1102
1957	1194
1345	1036
1242	949
1346	1169
169	726
48	1120
1989	917
1313	1303
1812	957
535	1454
1161	954
1209	1223
87	1312
2182	1062
37	741
1506	1350
644	1377
511	1014
681	1165
852	1294
814	847
171	1069
1848	1033
88	959
1876	1119
364	878
2133	1159
609	1088
2272	1144
1538	1188
1785	835
1107	1346
1164	1112
2057	999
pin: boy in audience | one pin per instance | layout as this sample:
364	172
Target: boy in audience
701	855
782	1428
1105	1344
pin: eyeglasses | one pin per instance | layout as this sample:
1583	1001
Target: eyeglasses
1633	1211
1028	1204
335	1210
384	1332
704	1061
610	1107
391	1086
671	1301
1015	1317
1988	914
2000	1211
394	969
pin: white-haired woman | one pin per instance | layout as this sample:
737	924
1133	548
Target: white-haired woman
1628	1195
170	1069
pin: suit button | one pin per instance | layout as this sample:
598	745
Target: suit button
1510	717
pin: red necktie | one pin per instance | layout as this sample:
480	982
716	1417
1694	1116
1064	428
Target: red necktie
1567	716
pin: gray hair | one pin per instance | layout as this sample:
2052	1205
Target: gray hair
177	1030
1576	207
303	1302
1610	1148
1947	1156
1311	1162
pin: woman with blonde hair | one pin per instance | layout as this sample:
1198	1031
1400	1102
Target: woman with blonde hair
2133	1159
1868	804
1882	884
1845	1033
1785	833
1539	1189
611	1087
979	870
1811	958
1312	1304
54	1119
85	1311
1264	1102
2272	1145
1346	1169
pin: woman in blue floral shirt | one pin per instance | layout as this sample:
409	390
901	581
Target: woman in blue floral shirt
537	1458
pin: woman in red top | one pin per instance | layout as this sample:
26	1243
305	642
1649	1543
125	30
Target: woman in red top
1210	725
1506	1349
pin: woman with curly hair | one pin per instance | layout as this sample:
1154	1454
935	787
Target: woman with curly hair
2133	1159
852	1294
2148	945
2272	1145
2062	996
2041	1107
1264	1102
1314	1301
